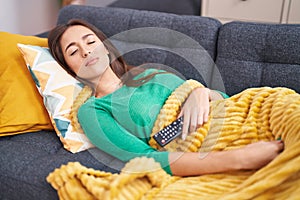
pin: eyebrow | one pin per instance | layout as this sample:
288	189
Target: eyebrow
73	43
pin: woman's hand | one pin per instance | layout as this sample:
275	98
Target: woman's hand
259	154
195	110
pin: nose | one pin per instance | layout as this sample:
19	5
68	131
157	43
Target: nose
86	53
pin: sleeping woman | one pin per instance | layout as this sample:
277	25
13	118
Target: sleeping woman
119	114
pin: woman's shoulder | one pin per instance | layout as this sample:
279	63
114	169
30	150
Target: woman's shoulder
88	103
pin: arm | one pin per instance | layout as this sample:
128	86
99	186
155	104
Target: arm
106	134
246	158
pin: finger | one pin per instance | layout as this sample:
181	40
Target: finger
200	119
185	127
280	145
181	113
205	116
193	122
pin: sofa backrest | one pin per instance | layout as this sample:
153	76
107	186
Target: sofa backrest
154	37
254	55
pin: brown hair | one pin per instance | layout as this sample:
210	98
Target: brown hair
118	64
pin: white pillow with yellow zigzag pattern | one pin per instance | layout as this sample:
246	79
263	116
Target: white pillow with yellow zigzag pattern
59	90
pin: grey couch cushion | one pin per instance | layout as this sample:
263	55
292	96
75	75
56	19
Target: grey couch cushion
168	42
253	55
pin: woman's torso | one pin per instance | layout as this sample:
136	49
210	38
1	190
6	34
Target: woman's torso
136	108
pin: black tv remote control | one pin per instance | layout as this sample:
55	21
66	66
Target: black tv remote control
169	133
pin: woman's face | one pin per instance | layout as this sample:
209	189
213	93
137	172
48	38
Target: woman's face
84	52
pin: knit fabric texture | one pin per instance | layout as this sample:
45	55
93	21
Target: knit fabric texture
253	115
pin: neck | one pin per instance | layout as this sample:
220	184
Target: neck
108	83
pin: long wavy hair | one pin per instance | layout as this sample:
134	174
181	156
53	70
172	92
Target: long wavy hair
125	72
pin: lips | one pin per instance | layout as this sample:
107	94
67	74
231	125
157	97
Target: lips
91	61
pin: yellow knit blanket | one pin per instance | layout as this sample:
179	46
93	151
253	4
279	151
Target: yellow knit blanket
252	115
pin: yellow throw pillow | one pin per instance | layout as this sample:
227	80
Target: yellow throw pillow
21	106
59	91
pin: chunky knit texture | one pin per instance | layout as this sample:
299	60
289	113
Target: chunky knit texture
82	97
252	115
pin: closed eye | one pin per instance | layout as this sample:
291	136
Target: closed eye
73	52
92	42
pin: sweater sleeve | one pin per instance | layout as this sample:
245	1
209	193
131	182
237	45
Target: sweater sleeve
106	134
224	95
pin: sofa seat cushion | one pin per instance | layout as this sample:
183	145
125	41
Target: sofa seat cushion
30	157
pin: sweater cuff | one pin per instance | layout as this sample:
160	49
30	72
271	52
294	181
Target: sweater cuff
224	95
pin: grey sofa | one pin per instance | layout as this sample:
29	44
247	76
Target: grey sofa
231	58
